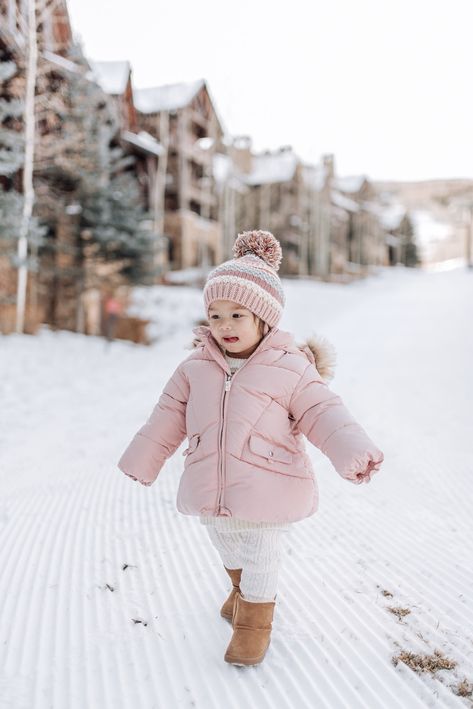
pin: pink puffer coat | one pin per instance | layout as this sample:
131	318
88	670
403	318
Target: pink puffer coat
246	455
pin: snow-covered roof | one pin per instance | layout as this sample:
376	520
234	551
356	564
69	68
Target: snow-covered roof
350	184
112	77
166	98
344	202
269	167
315	176
392	216
226	174
143	140
339	214
62	62
392	240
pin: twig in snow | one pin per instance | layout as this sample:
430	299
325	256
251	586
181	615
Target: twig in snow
464	689
424	663
399	612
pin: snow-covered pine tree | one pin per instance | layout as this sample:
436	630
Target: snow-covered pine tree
113	214
11	157
11	110
112	209
86	155
87	192
409	246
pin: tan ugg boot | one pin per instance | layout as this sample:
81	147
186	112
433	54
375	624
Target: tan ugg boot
251	631
226	610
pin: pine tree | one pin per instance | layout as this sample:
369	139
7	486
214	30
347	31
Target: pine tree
86	155
113	214
410	252
11	161
11	157
11	110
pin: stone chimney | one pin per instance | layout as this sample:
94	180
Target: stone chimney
240	153
328	162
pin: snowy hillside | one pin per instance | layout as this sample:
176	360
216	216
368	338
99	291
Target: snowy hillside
109	598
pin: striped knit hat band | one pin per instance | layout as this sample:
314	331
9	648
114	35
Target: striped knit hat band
250	279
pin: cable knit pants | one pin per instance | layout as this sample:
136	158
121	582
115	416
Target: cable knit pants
258	552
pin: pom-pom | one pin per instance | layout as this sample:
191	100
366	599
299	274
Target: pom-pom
260	243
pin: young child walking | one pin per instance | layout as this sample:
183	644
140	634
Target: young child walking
244	398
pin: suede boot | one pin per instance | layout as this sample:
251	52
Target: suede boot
226	610
252	624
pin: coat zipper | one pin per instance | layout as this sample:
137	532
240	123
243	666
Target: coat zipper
226	388
221	468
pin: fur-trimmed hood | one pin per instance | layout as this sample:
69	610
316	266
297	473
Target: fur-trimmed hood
322	353
317	349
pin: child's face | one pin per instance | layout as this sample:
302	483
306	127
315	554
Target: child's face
234	327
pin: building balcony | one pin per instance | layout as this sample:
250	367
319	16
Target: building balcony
195	194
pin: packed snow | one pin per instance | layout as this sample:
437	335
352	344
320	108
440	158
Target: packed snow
110	598
429	230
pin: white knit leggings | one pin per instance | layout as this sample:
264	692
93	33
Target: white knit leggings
258	553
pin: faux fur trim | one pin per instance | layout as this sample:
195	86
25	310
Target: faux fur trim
200	337
322	353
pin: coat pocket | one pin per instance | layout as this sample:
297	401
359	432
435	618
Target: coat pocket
266	449
193	443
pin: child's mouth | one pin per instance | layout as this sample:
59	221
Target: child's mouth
230	339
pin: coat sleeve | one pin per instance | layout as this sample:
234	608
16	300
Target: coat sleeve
161	435
322	417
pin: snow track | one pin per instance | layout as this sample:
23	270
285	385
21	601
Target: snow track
109	598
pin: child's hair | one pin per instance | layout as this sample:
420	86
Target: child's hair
261	326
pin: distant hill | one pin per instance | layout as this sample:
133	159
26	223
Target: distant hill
424	192
442	221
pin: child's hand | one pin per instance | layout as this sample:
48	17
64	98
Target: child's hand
365	477
143	482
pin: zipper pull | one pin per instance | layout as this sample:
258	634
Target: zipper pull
228	383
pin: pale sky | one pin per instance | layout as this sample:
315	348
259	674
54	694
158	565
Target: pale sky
385	85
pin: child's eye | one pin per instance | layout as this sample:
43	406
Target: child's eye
213	317
236	315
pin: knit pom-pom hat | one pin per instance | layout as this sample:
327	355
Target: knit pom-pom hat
250	279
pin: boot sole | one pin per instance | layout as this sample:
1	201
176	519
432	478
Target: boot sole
244	663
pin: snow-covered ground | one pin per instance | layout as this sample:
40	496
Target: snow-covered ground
109	598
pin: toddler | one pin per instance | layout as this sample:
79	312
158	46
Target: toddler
245	398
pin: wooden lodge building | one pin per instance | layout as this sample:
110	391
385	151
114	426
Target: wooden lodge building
183	122
274	190
184	119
